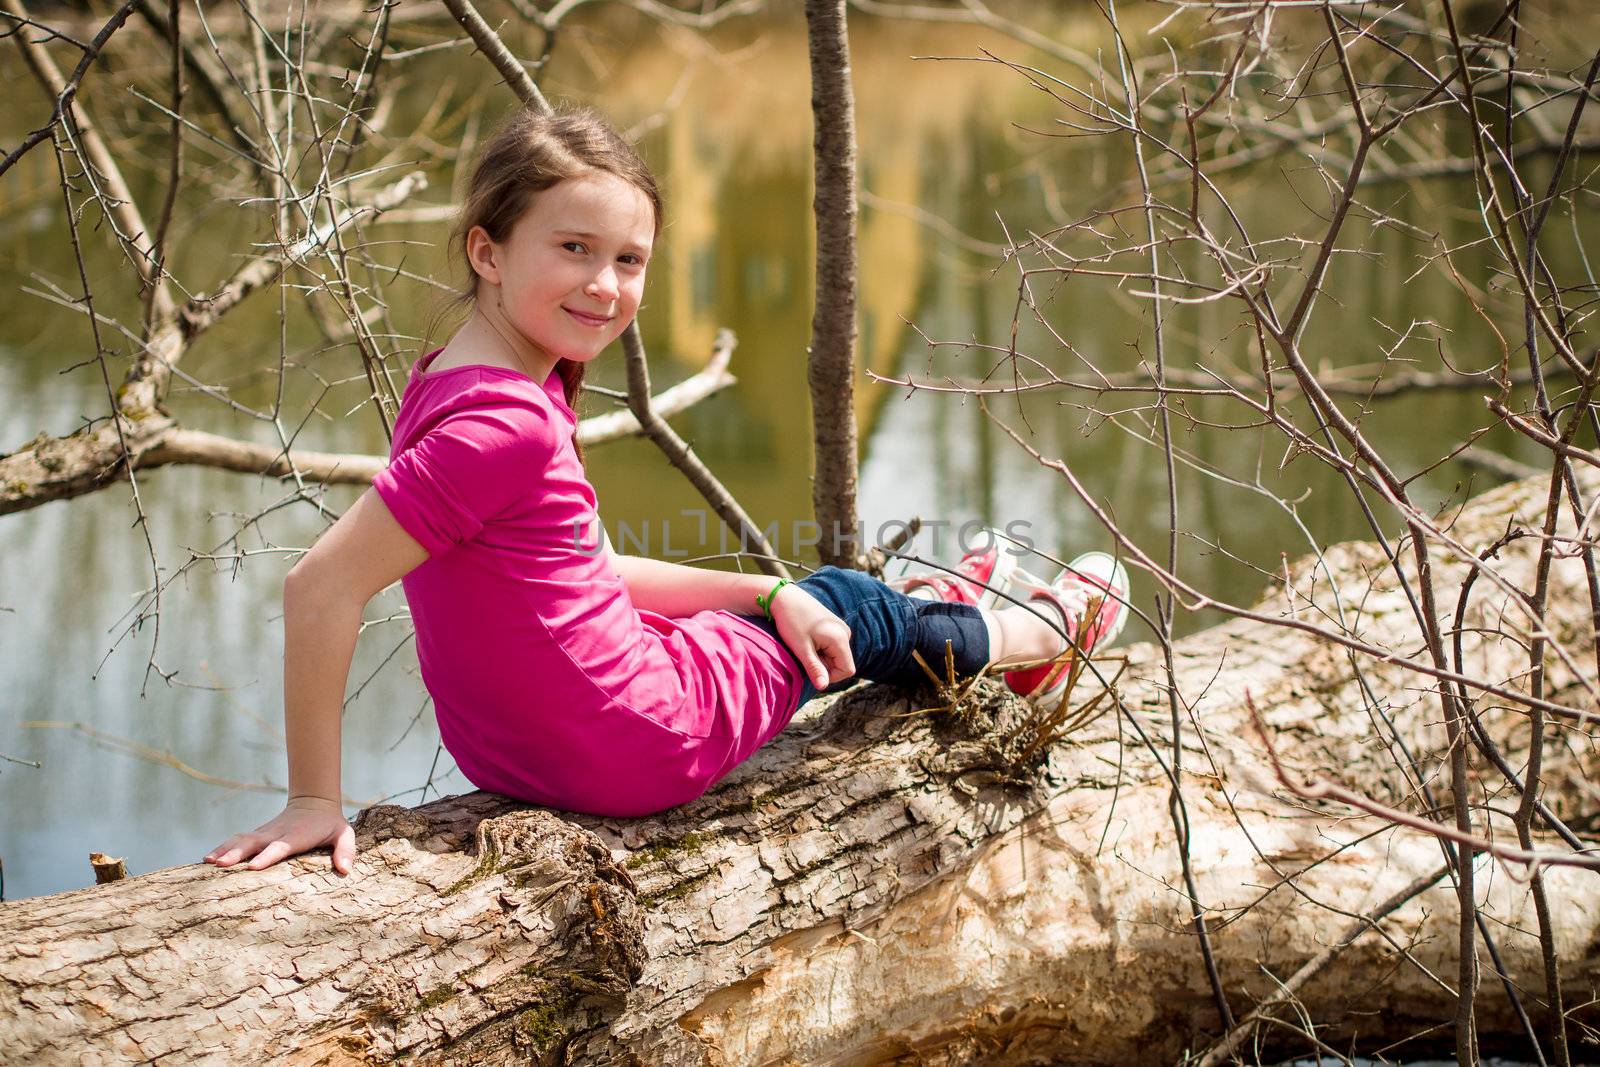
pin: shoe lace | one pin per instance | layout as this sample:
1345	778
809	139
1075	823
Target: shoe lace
1076	597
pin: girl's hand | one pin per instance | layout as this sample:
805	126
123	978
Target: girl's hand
304	824
819	639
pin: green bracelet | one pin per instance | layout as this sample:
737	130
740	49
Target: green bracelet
765	602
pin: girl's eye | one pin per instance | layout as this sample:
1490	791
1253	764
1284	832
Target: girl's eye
572	246
632	260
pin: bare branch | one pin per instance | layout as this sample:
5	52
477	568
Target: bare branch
116	198
69	88
59	468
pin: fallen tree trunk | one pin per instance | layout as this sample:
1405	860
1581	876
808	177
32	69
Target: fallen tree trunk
877	886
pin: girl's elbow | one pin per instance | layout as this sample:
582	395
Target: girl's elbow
310	582
301	581
296	578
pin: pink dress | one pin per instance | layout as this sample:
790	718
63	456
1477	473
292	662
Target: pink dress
548	684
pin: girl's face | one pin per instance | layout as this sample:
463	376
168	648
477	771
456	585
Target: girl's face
569	276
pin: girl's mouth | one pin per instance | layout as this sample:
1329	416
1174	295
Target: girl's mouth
585	319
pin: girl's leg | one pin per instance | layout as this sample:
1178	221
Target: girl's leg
887	627
1017	635
1039	630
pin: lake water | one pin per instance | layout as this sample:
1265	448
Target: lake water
158	763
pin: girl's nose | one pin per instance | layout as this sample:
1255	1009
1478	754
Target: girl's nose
602	286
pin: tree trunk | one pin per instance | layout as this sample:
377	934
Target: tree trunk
831	363
874	886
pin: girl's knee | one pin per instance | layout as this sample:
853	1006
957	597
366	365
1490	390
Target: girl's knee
844	591
959	627
860	583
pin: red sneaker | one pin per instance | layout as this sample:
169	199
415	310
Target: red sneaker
979	579
1092	597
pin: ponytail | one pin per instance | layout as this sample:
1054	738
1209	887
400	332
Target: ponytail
571	372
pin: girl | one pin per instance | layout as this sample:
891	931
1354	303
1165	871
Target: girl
562	675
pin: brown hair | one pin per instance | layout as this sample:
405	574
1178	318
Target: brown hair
531	152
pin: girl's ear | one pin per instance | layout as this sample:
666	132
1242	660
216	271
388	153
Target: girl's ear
481	254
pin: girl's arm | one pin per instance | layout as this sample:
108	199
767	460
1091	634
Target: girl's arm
674	590
363	553
819	639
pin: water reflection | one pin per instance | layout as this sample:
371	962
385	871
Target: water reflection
937	137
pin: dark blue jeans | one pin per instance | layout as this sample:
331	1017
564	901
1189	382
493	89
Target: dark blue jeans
886	626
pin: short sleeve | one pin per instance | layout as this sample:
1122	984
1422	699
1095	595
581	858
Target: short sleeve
466	469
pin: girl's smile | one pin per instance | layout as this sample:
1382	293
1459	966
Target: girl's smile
595	321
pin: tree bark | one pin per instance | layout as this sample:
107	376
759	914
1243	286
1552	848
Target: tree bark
831	362
876	886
